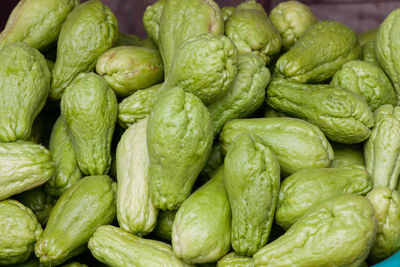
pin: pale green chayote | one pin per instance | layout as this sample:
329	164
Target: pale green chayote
368	53
152	18
227	11
234	260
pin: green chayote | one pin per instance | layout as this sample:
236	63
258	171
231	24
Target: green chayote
368	53
234	260
369	35
227	11
272	113
133	40
165	220
76	54
347	155
215	159
152	19
89	108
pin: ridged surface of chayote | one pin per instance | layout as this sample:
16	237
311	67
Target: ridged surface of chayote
152	19
304	189
319	53
215	159
252	31
246	94
179	140
117	248
368	53
89	108
129	68
386	203
86	205
382	149
23	165
367	80
66	170
342	115
292	19
182	19
36	22
227	11
347	155
165	220
205	66
135	210
338	232
387	45
252	178
297	144
201	231
76	54
24	86
19	231
234	260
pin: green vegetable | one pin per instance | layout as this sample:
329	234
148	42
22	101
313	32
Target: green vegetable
227	11
347	155
234	260
369	35
272	113
151	20
215	159
164	224
368	53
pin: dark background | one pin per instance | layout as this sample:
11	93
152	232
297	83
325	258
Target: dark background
361	15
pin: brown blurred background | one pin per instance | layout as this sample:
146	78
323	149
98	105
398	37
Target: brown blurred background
361	15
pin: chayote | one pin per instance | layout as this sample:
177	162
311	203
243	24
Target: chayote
292	19
179	140
252	31
386	203
227	11
19	231
382	149
151	20
338	232
125	39
36	22
24	86
234	260
368	80
297	144
347	155
129	68
368	35
118	248
135	211
342	115
304	189
319	53
215	159
252	178
165	220
66	170
23	165
368	53
387	47
246	94
269	112
89	108
76	54
201	232
86	205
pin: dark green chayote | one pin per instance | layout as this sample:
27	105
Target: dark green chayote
272	113
165	220
368	53
347	155
133	40
215	159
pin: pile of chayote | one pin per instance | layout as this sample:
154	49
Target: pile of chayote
227	138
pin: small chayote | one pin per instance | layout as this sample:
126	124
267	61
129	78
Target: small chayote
368	53
129	68
347	155
36	22
165	220
227	11
152	19
368	80
89	108
88	32
338	232
234	260
24	87
179	140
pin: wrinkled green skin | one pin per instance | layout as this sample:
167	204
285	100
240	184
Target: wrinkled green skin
313	239
227	11
246	94
252	31
76	54
346	155
19	232
215	159
382	149
252	178
297	144
36	22
368	53
386	203
163	228
234	260
24	86
133	40
66	170
342	115
292	19
89	108
319	53
179	140
182	19
304	189
152	19
24	165
135	211
118	248
368	80
137	106
130	68
39	202
204	65
203	220
86	205
387	46
369	35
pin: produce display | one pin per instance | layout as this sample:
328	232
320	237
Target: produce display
229	137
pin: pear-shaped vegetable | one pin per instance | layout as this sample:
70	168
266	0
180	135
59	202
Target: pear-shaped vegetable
152	19
234	260
347	155
164	224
